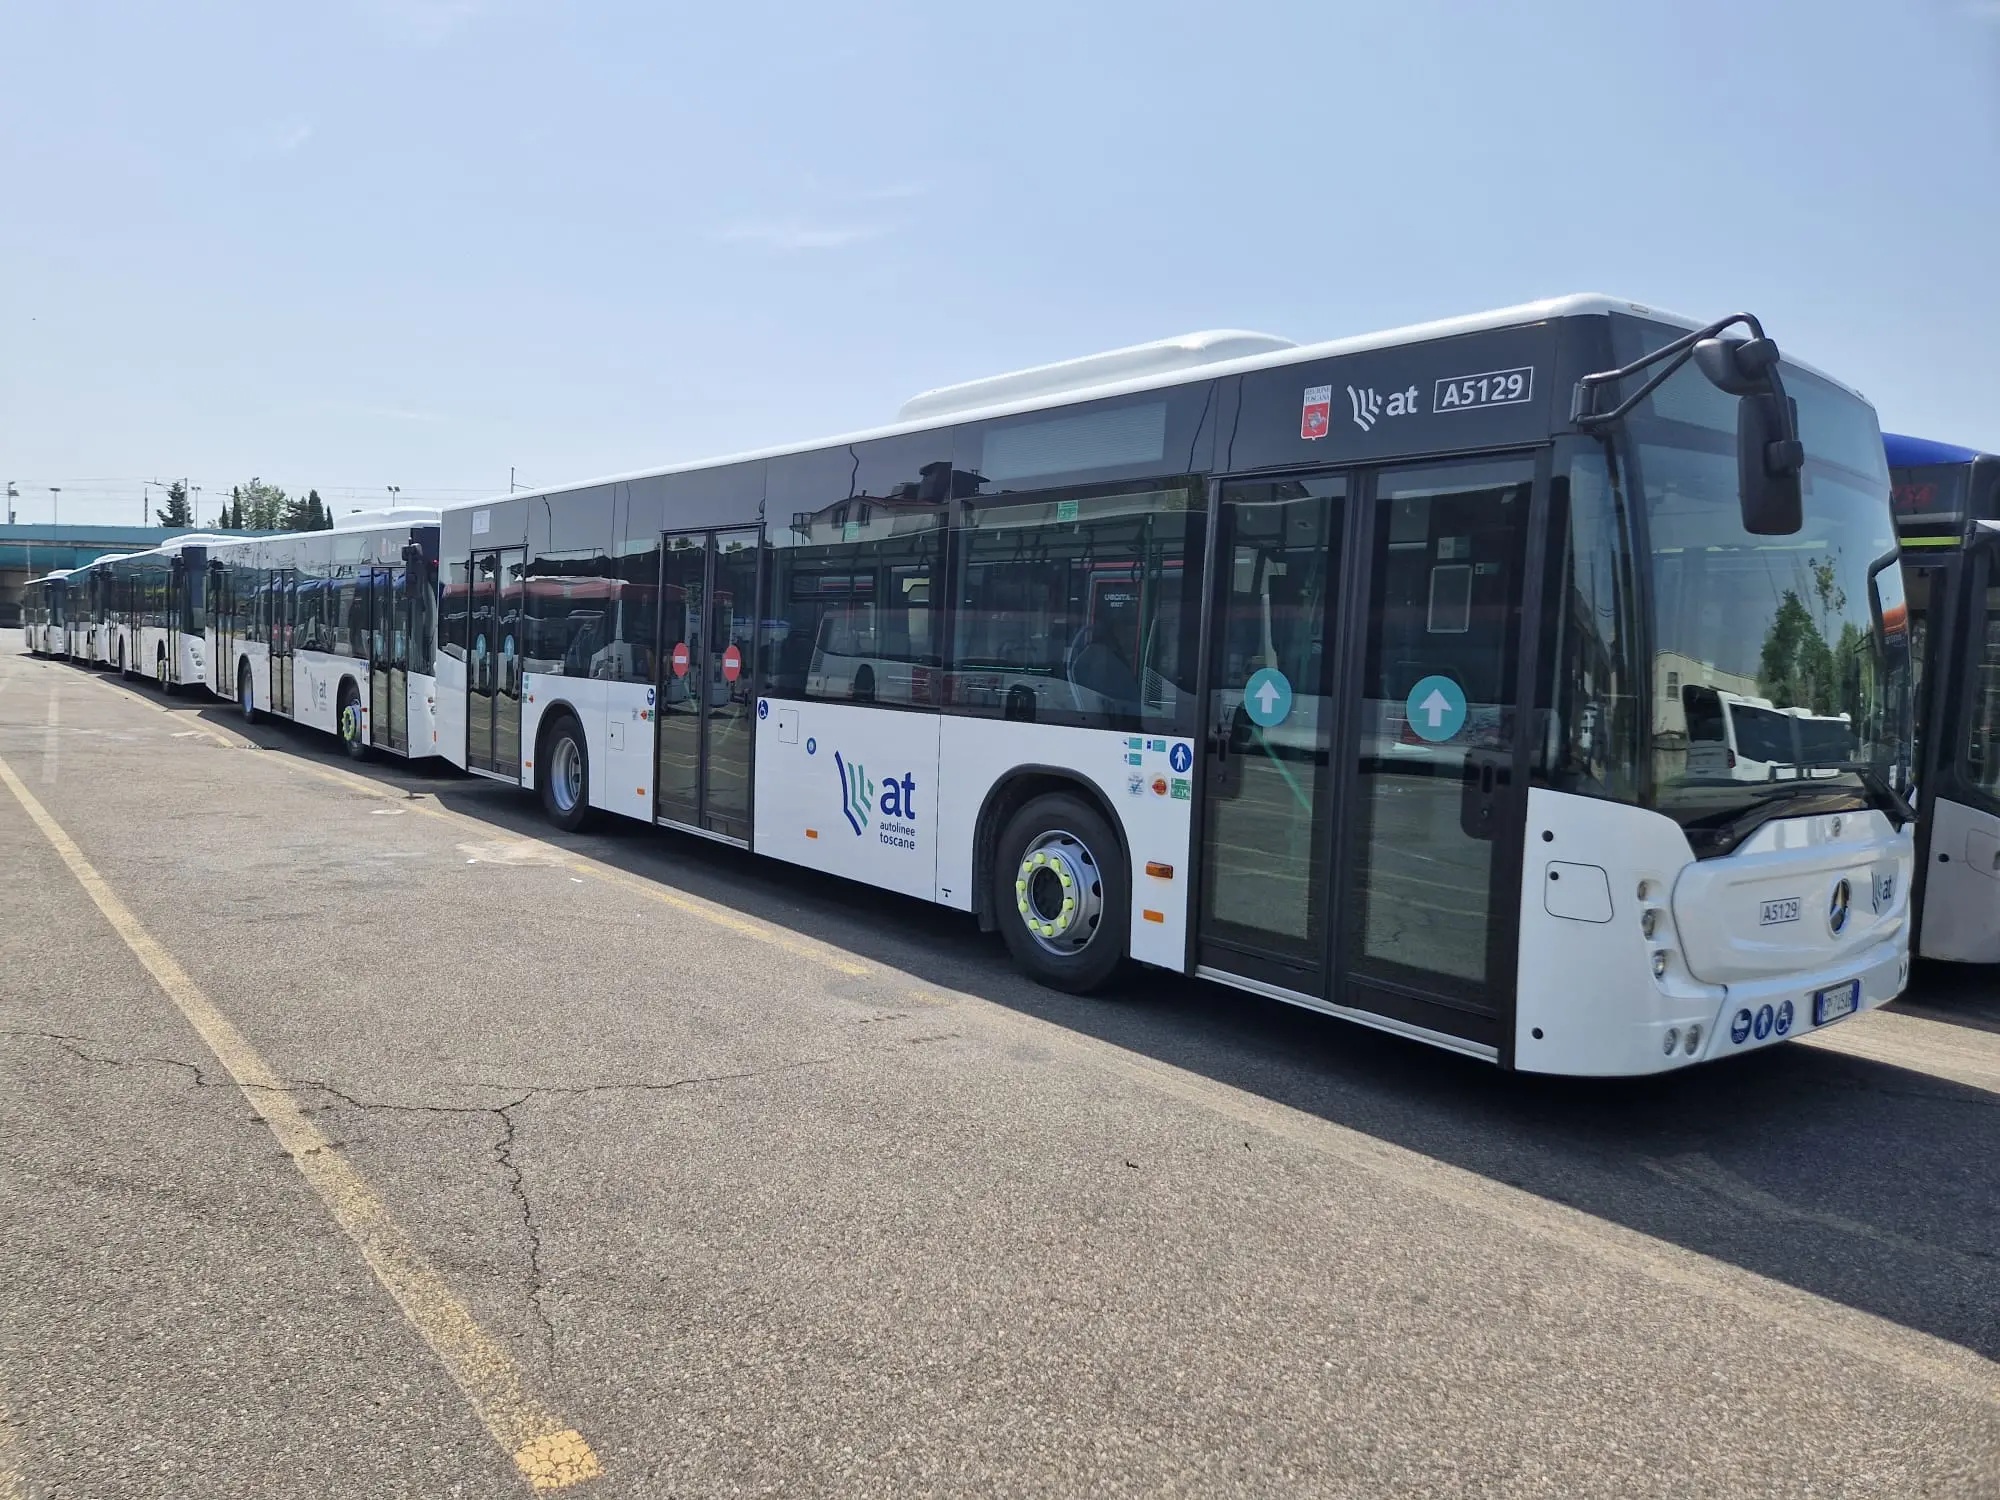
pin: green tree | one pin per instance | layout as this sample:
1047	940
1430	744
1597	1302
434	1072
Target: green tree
176	512
1796	669
259	506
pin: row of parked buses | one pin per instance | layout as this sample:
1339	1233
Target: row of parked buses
1538	684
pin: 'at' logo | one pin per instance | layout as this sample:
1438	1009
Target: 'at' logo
1317	414
1369	407
857	794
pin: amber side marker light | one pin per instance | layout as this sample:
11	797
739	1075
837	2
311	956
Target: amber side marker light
1154	916
1155	868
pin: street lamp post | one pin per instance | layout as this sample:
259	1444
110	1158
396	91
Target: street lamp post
13	494
394	491
55	505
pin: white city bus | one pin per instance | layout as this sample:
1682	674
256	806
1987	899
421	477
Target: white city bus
331	629
44	613
1338	673
154	604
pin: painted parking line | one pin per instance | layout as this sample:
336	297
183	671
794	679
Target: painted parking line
549	1453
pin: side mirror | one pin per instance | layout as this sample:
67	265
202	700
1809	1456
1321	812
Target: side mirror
1769	455
1768	459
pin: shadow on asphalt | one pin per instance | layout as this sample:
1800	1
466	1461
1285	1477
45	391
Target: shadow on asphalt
1861	1182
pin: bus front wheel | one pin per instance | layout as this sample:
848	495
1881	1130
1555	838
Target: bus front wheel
246	695
565	775
1061	893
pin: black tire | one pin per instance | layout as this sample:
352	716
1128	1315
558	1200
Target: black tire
348	723
163	677
1076	947
246	695
562	774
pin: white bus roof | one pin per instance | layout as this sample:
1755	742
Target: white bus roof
1143	367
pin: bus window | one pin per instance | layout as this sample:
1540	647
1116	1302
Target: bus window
1079	610
855	613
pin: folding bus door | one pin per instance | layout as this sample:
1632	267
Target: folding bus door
282	590
1361	817
388	660
708	622
493	664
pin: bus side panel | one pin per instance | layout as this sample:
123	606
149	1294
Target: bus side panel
625	782
585	698
1961	915
1588	1001
1146	780
449	709
851	791
191	668
422	716
316	677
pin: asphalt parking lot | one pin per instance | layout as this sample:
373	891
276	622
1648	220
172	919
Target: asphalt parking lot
360	1135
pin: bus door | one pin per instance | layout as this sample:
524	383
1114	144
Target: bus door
283	592
492	664
388	658
1937	584
222	614
1362	813
706	698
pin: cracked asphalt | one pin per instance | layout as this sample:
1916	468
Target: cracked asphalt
774	1185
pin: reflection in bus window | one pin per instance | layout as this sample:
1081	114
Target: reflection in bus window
852	605
1079	610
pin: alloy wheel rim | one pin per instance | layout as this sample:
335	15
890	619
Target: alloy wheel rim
1059	892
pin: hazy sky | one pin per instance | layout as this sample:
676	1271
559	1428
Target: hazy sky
413	242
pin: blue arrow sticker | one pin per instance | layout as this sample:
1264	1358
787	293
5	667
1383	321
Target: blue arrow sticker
1436	709
1267	698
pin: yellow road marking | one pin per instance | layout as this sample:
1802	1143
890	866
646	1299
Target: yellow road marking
548	1452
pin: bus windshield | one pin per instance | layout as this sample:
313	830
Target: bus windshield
1724	678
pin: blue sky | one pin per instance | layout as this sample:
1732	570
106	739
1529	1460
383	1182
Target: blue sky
414	242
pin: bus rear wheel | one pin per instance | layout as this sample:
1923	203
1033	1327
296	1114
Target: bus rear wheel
246	694
349	723
565	775
160	673
1061	893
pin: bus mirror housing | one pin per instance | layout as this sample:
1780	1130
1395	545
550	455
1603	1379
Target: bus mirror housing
1769	455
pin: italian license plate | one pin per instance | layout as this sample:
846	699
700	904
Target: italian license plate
1831	1005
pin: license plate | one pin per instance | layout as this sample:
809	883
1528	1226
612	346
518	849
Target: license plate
1831	1005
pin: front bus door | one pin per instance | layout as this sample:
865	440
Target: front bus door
1362	812
708	639
492	665
388	659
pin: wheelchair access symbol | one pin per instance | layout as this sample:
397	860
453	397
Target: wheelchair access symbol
1436	709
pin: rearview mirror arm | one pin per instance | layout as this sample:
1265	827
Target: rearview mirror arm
1582	410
